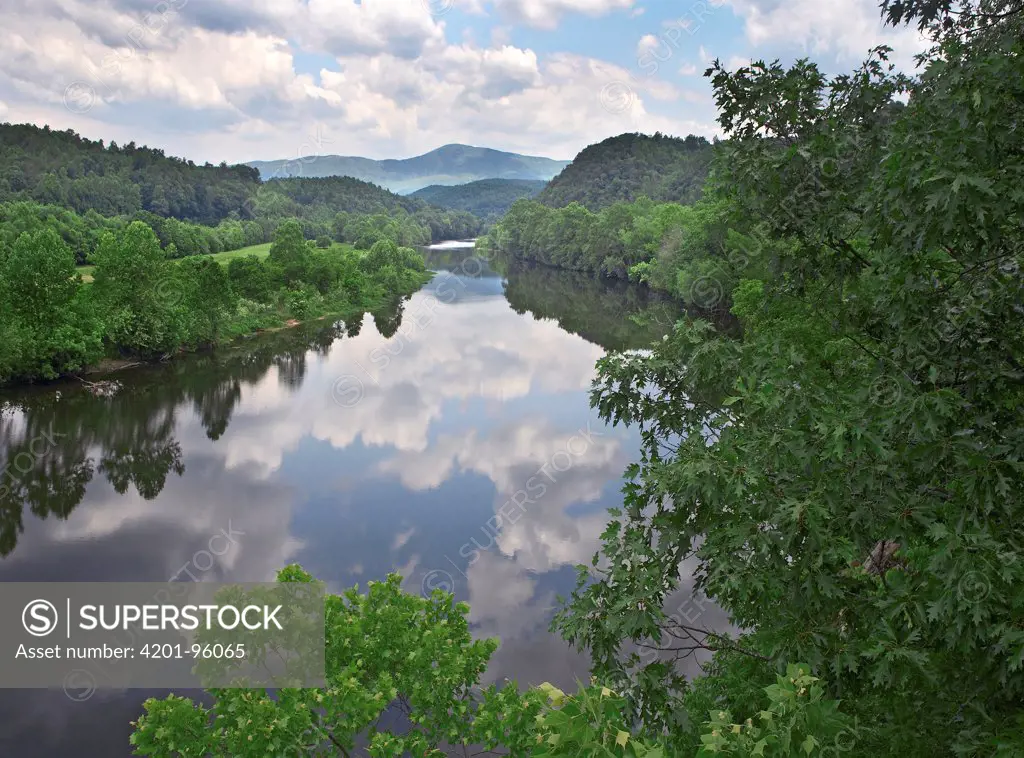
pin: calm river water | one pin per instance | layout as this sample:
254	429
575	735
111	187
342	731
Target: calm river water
395	443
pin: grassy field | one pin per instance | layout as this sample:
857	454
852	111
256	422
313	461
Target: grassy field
260	251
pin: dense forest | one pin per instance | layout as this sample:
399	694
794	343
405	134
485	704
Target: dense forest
625	168
622	203
143	305
317	202
63	169
489	199
842	476
81	188
622	240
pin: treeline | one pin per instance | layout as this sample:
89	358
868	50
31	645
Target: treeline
489	199
144	305
62	168
81	232
630	207
665	244
316	202
630	166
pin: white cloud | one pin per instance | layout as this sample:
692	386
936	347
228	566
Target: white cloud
648	43
399	27
216	84
735	62
545	14
500	36
846	29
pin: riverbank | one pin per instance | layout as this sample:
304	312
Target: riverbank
250	320
143	306
109	366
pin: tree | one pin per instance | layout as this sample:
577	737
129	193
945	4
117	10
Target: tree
49	329
207	298
845	475
389	650
249	278
289	255
138	292
383	253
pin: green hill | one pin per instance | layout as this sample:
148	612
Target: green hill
488	198
64	169
623	168
340	193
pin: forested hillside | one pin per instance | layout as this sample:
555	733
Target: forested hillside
624	168
81	188
343	193
318	201
488	198
61	168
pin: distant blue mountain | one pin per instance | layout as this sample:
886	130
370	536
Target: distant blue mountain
448	165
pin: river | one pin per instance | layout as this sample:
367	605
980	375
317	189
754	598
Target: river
401	442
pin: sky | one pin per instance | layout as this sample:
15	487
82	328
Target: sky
240	80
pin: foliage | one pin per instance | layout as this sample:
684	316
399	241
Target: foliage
383	648
143	304
289	256
845	476
667	245
620	210
62	168
138	293
47	329
624	168
250	279
317	203
390	653
80	232
81	188
798	722
489	199
206	299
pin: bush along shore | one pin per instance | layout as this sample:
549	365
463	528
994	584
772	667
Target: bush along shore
143	306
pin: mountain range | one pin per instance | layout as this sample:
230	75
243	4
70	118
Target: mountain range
447	165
